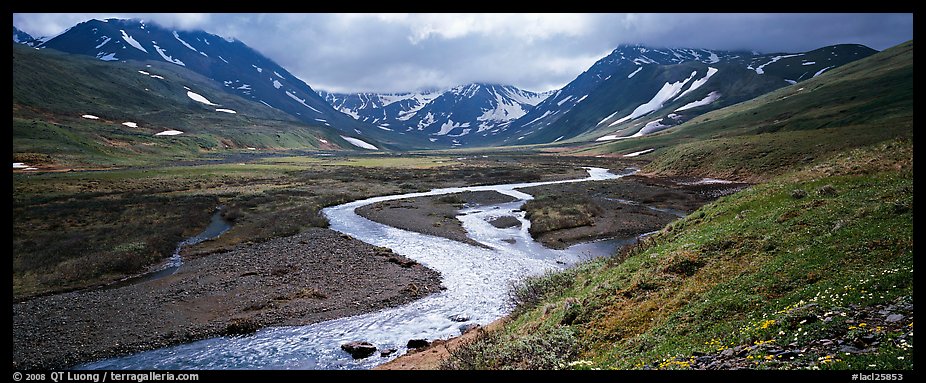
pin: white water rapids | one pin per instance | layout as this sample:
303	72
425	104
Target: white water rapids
477	281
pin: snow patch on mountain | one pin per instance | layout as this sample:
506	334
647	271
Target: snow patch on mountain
634	154
711	97
106	57
759	69
449	126
199	98
301	101
823	70
426	121
165	56
651	127
547	113
132	42
505	110
666	93
697	83
177	36
359	143
107	39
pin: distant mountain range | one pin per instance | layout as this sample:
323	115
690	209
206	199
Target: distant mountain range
634	91
447	118
238	68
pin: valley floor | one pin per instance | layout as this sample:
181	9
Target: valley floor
310	277
277	265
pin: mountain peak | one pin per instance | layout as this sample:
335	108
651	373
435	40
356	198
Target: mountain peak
20	37
461	115
236	67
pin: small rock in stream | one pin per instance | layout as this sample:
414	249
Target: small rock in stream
359	350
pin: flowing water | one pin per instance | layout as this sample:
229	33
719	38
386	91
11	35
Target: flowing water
217	226
477	282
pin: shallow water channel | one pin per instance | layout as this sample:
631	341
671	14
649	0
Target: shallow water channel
477	281
217	226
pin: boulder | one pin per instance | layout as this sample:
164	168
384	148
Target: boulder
468	327
417	343
359	350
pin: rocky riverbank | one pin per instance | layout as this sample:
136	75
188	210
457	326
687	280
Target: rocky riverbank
566	214
624	208
310	277
431	215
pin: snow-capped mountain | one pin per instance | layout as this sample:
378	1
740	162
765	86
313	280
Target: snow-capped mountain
633	91
20	37
238	68
637	90
458	116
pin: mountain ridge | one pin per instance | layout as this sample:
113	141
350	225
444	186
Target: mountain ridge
240	69
599	98
443	117
634	91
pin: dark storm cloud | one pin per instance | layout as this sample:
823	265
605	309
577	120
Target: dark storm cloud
396	52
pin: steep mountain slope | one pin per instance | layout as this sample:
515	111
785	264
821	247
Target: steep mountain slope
634	91
640	90
450	118
811	269
238	68
20	37
70	110
858	104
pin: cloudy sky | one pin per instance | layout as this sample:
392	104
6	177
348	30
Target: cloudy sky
399	52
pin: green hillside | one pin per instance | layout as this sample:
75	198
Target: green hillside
52	90
811	269
858	104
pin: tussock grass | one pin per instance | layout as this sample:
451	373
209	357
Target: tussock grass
555	212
